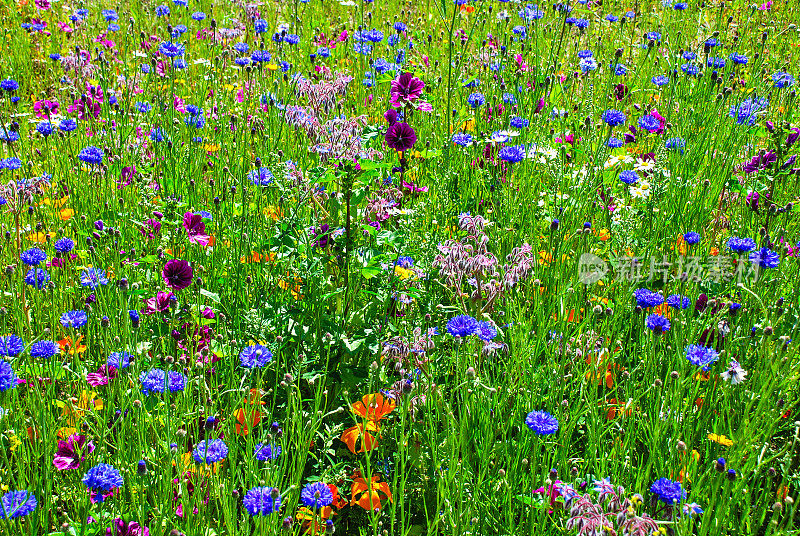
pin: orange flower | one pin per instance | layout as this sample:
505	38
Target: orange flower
248	418
72	347
351	436
466	9
680	246
373	407
617	409
368	495
603	234
663	310
714	252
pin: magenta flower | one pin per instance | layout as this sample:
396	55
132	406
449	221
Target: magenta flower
401	137
405	88
103	375
151	228
158	303
72	452
131	528
177	274
195	228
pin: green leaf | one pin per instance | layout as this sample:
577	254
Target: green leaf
210	295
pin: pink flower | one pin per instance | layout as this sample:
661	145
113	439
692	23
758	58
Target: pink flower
103	375
72	452
195	228
158	303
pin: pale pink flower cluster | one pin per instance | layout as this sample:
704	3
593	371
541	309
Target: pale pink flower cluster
468	260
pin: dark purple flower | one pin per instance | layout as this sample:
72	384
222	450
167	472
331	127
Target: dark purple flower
72	452
401	137
103	375
792	138
391	116
177	274
405	88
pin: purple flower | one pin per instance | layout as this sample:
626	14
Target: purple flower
177	274
765	258
401	137
72	452
405	88
462	326
158	303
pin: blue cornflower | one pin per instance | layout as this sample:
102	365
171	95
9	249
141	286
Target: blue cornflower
91	155
690	70
629	177
154	380
93	277
612	18
261	177
462	139
711	42
653	36
119	360
37	278
587	64
171	50
657	323
260	26
266	452
668	491
680	6
210	451
716	63
45	349
741	245
519	122
404	261
647	298
747	110
675	144
9	85
33	256
583	54
782	80
198	16
255	356
262	501
660	80
17	504
102	478
162	11
11	345
8	378
701	356
649	123
241	47
486	331
765	258
45	128
476	99
134	315
260	55
541	423
316	495
738	59
74	319
678	301
462	326
10	163
64	245
615	143
614	117
618	68
691	238
513	153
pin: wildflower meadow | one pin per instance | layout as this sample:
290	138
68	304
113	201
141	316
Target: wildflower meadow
399	268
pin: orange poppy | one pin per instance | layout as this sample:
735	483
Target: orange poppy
72	347
362	432
248	418
368	495
373	407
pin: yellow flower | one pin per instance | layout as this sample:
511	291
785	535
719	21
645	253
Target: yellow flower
211	147
721	439
403	273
